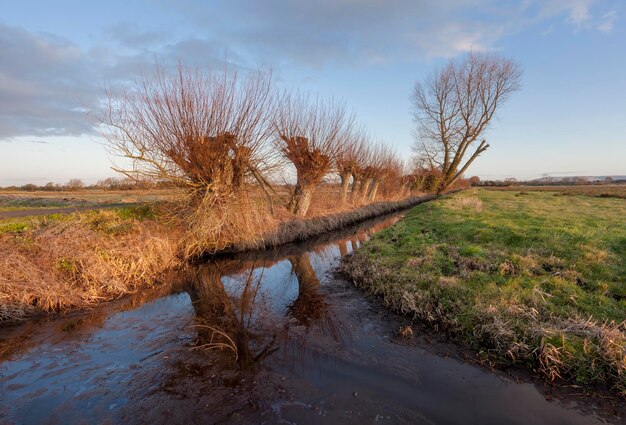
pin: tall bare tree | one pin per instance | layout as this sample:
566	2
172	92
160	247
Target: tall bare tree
310	133
455	106
203	131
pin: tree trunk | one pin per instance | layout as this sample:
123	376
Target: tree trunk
356	185
373	191
365	187
301	199
345	184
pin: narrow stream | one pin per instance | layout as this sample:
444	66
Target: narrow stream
269	337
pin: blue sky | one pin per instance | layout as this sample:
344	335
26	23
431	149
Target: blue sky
569	117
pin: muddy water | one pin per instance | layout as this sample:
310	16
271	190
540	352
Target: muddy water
272	337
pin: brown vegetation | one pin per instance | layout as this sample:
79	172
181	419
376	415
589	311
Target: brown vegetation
80	260
78	263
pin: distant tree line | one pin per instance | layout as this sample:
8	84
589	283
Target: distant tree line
75	184
565	181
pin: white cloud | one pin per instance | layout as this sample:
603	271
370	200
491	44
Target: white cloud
607	22
577	12
49	86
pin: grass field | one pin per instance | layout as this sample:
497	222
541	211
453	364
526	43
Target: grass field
529	278
601	191
23	200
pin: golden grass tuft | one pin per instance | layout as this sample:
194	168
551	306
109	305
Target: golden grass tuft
214	225
469	202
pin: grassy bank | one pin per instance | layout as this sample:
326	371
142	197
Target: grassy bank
526	278
65	262
298	230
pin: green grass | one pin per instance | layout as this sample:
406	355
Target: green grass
599	190
23	224
113	221
8	203
536	278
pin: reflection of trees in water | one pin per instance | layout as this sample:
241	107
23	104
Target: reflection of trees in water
343	248
354	244
241	320
311	305
224	322
363	235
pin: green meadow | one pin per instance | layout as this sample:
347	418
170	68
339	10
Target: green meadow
533	278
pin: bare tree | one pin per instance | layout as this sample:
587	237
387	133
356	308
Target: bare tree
352	154
75	184
206	132
310	133
455	106
382	166
360	170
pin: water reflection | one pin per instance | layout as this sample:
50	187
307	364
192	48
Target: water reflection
244	309
230	323
245	306
310	306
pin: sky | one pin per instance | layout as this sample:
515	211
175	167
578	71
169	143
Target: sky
569	118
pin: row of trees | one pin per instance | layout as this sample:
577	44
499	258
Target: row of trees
110	183
216	134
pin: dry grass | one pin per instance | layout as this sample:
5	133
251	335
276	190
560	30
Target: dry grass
245	221
472	202
216	225
296	230
79	263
